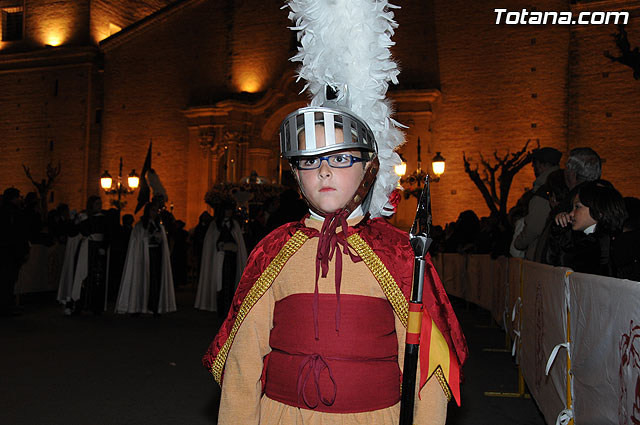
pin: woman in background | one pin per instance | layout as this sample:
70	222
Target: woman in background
599	212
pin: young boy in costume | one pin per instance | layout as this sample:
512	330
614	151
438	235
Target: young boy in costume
316	332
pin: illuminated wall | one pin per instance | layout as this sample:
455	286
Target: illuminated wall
57	23
501	86
44	119
51	103
604	100
110	16
78	22
493	86
259	47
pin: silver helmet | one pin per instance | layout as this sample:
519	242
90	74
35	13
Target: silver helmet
316	130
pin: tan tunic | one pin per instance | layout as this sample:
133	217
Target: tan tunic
242	401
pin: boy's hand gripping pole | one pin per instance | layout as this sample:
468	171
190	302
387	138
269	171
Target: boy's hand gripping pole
420	241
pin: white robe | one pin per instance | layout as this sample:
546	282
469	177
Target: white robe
210	279
133	296
65	284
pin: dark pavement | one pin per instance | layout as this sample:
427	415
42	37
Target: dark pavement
118	370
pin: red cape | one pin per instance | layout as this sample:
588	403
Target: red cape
393	248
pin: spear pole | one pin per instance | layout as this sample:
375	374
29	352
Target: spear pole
419	237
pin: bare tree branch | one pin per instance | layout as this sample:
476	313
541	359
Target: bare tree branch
495	187
45	185
475	178
52	173
28	173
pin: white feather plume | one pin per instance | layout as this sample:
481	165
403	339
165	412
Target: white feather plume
345	44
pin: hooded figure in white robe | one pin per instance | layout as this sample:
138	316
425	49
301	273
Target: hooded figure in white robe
65	285
210	281
133	296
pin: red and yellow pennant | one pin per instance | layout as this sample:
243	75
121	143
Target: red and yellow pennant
438	359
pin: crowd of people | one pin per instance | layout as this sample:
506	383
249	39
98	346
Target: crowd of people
571	217
136	266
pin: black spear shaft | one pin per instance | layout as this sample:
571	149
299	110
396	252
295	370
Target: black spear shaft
420	242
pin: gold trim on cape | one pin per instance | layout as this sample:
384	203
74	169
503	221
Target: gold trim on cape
255	293
439	374
379	270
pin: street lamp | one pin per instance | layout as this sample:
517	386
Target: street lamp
133	179
437	164
401	169
106	182
413	181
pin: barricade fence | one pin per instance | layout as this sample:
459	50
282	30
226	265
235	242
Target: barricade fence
576	337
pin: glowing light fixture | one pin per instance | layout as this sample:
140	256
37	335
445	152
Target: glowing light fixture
119	188
412	183
401	169
106	180
133	179
53	39
250	84
438	165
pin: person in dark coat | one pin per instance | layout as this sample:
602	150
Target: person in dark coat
464	238
14	248
599	213
117	251
625	247
545	161
290	207
180	238
555	190
95	228
583	165
32	217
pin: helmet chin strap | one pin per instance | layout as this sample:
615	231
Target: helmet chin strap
370	172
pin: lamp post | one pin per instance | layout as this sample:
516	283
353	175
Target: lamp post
106	182
414	179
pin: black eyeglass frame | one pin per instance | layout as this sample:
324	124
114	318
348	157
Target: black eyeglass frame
352	160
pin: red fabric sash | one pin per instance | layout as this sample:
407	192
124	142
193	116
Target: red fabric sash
353	370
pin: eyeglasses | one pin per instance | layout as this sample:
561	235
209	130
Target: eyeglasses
340	160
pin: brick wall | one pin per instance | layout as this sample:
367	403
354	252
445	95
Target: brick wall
43	120
416	45
121	13
192	58
497	82
604	101
55	22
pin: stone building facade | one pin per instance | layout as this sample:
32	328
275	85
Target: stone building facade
208	82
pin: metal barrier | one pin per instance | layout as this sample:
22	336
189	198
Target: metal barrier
576	337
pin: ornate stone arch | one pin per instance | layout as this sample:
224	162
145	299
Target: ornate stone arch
231	138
